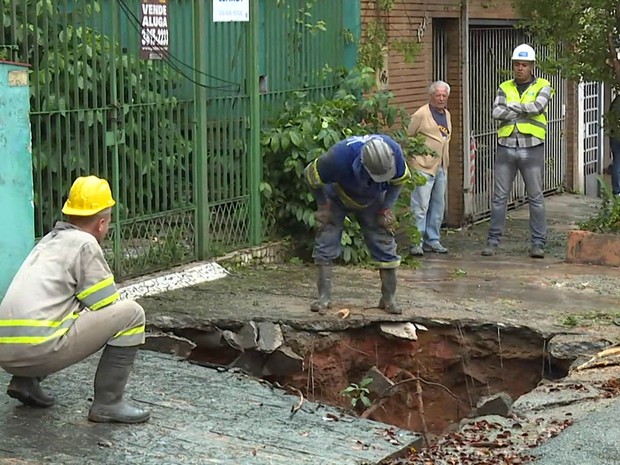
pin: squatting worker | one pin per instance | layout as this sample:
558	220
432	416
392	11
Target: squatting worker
521	108
361	175
63	306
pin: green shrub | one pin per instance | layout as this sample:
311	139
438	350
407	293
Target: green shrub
306	129
607	219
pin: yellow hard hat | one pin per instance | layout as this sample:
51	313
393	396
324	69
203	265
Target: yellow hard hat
88	196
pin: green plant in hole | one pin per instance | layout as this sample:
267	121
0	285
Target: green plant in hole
306	129
607	219
358	392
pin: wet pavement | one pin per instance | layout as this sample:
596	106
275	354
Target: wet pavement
510	288
205	416
198	416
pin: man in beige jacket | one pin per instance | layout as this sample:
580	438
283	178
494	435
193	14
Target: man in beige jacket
428	201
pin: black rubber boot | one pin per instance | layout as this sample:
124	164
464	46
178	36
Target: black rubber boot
108	405
28	391
388	291
324	286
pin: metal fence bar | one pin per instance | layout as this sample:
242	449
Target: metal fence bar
172	134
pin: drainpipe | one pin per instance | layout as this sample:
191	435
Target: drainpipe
467	162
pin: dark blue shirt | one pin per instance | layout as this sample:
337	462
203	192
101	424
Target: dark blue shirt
340	173
441	120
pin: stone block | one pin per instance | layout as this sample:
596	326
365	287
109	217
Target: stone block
245	339
251	362
283	362
497	404
593	248
269	336
572	346
380	382
168	344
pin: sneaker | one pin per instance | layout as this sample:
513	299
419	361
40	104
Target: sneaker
489	250
435	247
537	252
416	251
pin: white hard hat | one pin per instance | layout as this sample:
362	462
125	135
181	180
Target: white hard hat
524	52
378	159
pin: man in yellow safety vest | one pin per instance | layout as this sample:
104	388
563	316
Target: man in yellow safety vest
521	108
63	306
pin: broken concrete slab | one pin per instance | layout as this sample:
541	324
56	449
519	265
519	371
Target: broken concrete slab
245	339
198	415
551	395
169	344
380	382
270	336
498	404
283	362
250	362
400	330
569	347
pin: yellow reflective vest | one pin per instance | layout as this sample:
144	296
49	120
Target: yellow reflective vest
535	125
63	275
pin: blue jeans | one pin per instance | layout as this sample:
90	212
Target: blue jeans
428	203
530	163
380	243
615	167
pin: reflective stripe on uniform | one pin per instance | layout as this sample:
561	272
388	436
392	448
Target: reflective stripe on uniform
132	336
348	201
312	175
387	265
403	179
34	331
101	294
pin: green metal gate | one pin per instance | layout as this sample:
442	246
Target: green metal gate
177	132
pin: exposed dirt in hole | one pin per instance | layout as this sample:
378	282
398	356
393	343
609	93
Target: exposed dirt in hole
470	363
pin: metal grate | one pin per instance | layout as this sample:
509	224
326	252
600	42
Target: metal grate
490	52
592	101
440	51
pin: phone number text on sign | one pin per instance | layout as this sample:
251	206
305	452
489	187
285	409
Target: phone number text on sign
155	36
231	10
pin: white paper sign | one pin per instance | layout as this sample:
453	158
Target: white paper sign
231	10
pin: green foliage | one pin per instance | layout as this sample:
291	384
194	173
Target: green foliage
591	318
372	50
80	114
358	392
587	33
607	219
306	129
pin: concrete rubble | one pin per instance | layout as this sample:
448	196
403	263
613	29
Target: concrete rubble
402	330
498	404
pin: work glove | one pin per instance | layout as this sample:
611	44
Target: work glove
323	215
387	220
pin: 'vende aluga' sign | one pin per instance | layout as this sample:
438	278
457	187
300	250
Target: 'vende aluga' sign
231	10
154	37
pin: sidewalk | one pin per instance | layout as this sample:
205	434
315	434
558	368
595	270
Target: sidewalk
207	416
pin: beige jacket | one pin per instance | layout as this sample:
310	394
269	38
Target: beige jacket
422	122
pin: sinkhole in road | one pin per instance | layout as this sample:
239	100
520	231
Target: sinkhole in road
456	366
